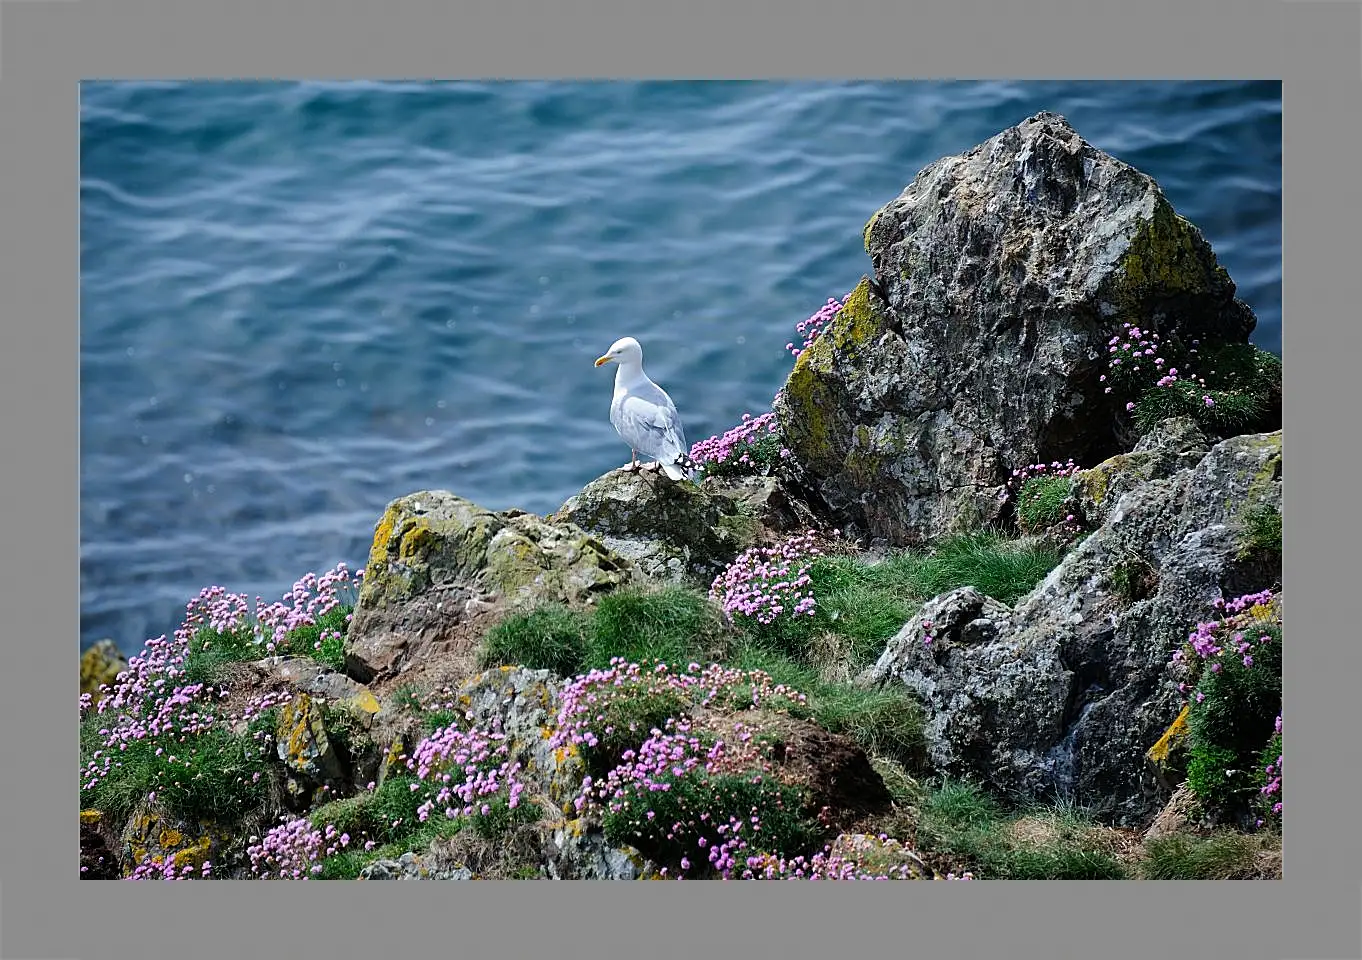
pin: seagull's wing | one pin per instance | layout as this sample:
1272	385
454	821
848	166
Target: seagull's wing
647	420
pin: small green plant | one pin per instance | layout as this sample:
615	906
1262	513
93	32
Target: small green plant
995	566
1134	579
1262	532
1041	502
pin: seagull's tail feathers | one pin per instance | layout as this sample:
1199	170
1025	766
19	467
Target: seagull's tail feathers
682	467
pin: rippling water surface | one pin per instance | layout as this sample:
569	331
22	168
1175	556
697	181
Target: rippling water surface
301	300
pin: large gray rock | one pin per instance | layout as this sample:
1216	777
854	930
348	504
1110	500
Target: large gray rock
1066	692
438	559
999	276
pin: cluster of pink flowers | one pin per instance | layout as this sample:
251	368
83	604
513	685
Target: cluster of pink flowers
660	763
1031	470
584	711
158	868
753	445
311	598
826	865
466	770
1273	787
812	327
1136	361
765	584
151	700
1208	643
291	850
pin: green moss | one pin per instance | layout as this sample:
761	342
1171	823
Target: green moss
1163	259
674	625
859	322
808	398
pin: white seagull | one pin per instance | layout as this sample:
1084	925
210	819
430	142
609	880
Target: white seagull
643	415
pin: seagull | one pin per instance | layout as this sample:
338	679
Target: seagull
644	416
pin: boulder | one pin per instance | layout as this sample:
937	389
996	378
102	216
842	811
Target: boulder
438	560
668	530
1067	692
679	532
999	277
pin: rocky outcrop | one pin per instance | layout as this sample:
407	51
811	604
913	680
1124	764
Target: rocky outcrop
1066	692
438	559
999	276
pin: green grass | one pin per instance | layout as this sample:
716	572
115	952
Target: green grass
867	603
210	650
551	637
1221	856
884	723
303	640
1040	502
992	564
960	820
673	624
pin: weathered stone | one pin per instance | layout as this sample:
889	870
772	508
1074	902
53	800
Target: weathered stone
1172	446
412	866
581	852
304	746
999	276
434	554
153	834
1076	685
677	532
98	847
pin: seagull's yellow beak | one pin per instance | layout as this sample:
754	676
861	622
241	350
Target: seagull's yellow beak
601	360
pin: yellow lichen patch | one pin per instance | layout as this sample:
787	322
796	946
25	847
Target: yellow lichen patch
417	538
91	818
383	533
1175	734
170	837
366	702
869	229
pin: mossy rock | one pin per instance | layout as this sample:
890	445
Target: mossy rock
153	835
100	665
435	538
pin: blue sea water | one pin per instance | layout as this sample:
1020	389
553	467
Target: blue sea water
301	300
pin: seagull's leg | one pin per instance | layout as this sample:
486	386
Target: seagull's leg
633	466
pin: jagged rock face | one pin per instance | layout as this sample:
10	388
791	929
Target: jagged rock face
1067	691
436	558
999	276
